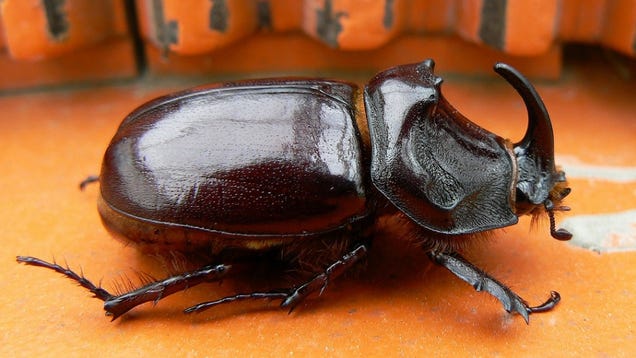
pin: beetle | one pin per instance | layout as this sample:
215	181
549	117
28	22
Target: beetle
280	165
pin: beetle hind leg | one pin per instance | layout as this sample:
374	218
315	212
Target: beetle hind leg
155	291
116	305
292	297
481	281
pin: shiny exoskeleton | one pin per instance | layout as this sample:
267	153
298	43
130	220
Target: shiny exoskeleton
238	169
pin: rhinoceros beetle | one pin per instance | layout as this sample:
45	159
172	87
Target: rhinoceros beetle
281	165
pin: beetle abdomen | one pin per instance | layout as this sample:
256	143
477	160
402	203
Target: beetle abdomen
260	158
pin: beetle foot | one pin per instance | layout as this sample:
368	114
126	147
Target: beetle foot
481	281
292	297
97	291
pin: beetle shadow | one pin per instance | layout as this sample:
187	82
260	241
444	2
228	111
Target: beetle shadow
399	268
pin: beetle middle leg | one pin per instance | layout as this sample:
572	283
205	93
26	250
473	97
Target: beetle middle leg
481	281
292	297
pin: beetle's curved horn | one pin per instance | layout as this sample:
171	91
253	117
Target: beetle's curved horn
535	152
539	133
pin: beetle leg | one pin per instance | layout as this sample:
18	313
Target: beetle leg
98	292
292	297
155	291
238	297
481	281
88	180
116	305
320	281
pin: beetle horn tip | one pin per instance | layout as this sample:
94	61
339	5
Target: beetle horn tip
500	66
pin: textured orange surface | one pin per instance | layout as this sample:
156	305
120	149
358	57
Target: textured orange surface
401	305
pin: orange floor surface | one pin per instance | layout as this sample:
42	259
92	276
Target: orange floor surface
400	306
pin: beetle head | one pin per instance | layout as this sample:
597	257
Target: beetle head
446	173
539	184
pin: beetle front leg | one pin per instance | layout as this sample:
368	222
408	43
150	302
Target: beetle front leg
116	305
292	297
481	281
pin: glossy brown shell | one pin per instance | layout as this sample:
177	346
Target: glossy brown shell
268	158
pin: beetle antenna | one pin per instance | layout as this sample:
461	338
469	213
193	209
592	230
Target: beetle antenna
559	234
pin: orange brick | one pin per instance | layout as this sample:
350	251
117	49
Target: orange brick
530	26
582	20
34	31
354	24
196	26
620	26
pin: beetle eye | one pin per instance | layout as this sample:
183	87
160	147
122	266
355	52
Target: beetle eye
521	196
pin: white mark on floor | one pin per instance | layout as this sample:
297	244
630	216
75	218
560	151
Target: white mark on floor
615	232
574	168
